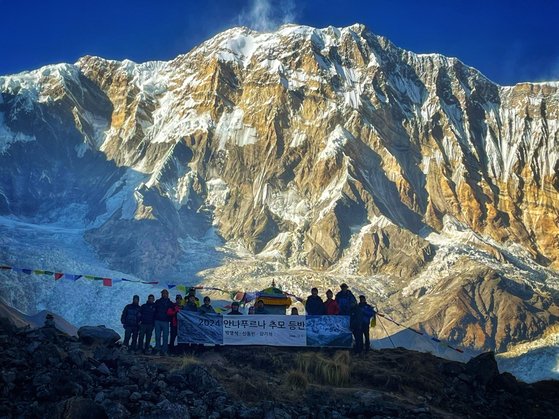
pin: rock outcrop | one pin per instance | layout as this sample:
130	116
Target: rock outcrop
41	378
97	335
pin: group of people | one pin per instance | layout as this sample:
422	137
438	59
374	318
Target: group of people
361	314
160	316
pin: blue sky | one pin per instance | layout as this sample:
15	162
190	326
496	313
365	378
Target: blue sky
509	41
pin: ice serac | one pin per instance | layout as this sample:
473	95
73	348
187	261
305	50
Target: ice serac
329	151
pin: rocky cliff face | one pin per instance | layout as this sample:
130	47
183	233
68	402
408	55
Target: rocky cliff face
329	150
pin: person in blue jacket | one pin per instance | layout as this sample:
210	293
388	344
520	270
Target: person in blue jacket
345	300
356	326
368	313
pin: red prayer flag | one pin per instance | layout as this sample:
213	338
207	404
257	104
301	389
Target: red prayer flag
107	282
58	275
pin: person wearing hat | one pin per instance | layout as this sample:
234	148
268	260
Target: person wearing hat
345	300
235	309
192	292
130	319
162	323
192	304
330	305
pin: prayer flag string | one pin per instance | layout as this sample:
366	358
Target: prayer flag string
240	296
420	333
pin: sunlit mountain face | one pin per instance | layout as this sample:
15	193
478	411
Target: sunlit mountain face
305	156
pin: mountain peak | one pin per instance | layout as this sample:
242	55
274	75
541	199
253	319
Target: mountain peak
320	152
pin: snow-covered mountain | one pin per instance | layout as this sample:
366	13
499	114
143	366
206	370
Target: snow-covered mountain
308	156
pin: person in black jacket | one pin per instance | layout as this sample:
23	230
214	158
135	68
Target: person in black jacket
162	323
260	309
314	305
147	320
206	308
130	319
234	309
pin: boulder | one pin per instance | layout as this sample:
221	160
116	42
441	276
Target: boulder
483	368
135	397
199	409
78	407
110	356
103	369
77	357
119	393
166	409
200	379
99	335
138	374
115	410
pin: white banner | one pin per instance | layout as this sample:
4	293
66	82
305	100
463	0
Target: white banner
264	329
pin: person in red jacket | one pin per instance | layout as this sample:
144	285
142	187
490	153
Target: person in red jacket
330	305
172	313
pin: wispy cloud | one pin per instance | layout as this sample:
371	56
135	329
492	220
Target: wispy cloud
520	63
267	15
552	72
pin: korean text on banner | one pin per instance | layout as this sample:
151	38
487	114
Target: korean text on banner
274	330
264	330
200	328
